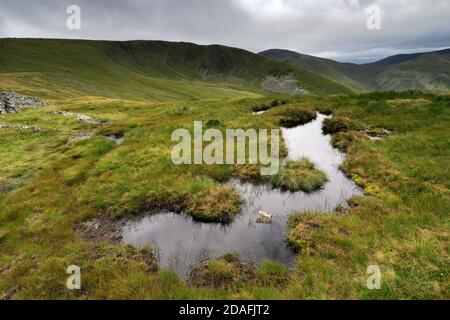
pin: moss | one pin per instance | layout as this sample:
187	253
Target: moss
296	176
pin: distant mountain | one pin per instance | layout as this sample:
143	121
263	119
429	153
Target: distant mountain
147	70
429	71
399	58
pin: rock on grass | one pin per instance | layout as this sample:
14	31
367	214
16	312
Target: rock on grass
12	102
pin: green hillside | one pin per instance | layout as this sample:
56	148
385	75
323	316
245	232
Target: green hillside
144	70
419	71
349	74
428	72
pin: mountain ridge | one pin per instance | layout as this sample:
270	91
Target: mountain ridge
426	71
143	70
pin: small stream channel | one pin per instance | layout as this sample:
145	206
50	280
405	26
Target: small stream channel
179	242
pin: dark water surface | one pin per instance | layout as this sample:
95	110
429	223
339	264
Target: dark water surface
180	242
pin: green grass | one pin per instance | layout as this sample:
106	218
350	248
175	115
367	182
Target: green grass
272	273
140	70
400	224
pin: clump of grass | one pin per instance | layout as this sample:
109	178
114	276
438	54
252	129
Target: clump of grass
293	117
231	257
296	176
220	173
261	107
413	102
2	235
219	204
343	140
180	111
325	110
221	272
335	124
212	123
247	172
272	104
224	273
303	229
272	273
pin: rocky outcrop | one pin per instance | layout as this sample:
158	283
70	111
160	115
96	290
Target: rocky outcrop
80	117
283	84
13	102
19	127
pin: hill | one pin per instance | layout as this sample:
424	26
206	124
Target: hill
142	70
428	71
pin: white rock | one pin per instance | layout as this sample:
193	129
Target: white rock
264	217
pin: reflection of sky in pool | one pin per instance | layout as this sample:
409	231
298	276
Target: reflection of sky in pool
179	242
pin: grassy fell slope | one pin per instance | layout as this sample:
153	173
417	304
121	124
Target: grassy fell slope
421	71
347	73
427	72
401	224
145	70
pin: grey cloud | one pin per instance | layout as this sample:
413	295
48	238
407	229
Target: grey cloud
330	28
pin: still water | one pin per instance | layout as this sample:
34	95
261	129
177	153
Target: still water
179	242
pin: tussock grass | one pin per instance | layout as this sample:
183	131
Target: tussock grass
343	140
224	273
292	117
219	204
335	124
272	273
268	106
300	175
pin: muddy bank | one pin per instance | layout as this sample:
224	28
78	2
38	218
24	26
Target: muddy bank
103	228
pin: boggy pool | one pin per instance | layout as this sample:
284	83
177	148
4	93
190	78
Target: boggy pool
180	243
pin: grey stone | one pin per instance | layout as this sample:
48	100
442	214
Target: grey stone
79	117
12	102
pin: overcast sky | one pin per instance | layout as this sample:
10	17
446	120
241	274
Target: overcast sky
328	28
